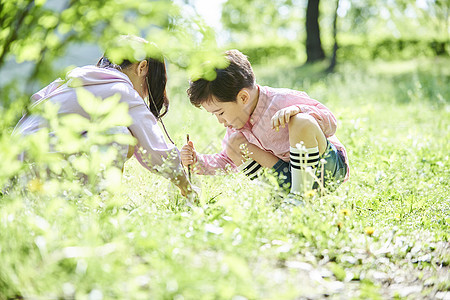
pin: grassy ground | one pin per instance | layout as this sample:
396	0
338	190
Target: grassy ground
383	234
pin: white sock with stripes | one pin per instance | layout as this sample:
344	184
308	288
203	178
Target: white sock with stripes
303	163
251	169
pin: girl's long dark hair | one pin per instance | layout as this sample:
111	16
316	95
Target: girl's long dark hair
156	80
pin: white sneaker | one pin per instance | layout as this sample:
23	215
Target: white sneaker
293	199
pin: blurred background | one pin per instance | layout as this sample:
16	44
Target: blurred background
39	38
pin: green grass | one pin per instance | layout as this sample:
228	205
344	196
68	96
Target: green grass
144	243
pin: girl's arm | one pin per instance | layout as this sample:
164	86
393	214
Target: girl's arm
155	155
152	151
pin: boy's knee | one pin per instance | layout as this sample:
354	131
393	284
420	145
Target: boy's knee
304	129
302	124
234	143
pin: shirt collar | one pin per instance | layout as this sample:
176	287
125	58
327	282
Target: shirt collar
260	108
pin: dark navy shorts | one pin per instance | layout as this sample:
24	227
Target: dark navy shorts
332	162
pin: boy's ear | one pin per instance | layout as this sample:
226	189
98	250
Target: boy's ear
243	96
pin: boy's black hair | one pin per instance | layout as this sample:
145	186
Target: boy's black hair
229	81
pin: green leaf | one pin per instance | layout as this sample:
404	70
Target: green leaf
48	21
29	52
75	122
337	270
40	2
89	102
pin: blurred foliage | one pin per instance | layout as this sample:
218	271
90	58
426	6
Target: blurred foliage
71	150
351	49
273	17
392	49
35	34
41	31
366	29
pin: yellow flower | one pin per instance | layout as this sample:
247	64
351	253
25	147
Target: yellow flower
35	185
345	212
310	194
369	230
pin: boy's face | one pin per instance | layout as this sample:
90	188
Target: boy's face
230	114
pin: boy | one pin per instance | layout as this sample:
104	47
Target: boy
304	150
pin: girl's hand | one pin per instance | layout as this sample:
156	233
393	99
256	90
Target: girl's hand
193	195
281	117
187	189
188	154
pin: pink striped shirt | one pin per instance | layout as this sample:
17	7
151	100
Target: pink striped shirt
258	129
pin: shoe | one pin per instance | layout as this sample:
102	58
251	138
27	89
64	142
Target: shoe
293	199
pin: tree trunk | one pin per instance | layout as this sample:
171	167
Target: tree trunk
335	47
314	51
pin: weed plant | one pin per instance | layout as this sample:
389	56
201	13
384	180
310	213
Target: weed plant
382	234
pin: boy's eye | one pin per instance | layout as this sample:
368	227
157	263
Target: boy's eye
221	114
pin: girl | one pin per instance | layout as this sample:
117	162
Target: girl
134	80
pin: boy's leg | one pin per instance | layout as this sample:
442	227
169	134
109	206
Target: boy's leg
307	143
248	157
332	169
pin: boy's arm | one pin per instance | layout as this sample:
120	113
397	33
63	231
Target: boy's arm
320	113
324	117
209	164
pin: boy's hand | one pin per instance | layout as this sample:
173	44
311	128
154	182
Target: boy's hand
281	117
188	154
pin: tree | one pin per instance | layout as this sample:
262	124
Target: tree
314	51
335	46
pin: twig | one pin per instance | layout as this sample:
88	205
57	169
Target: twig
189	166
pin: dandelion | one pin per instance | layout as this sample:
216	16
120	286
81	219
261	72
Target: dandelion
369	230
340	225
35	185
310	194
345	212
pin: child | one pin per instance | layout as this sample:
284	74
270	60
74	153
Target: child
281	129
141	83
